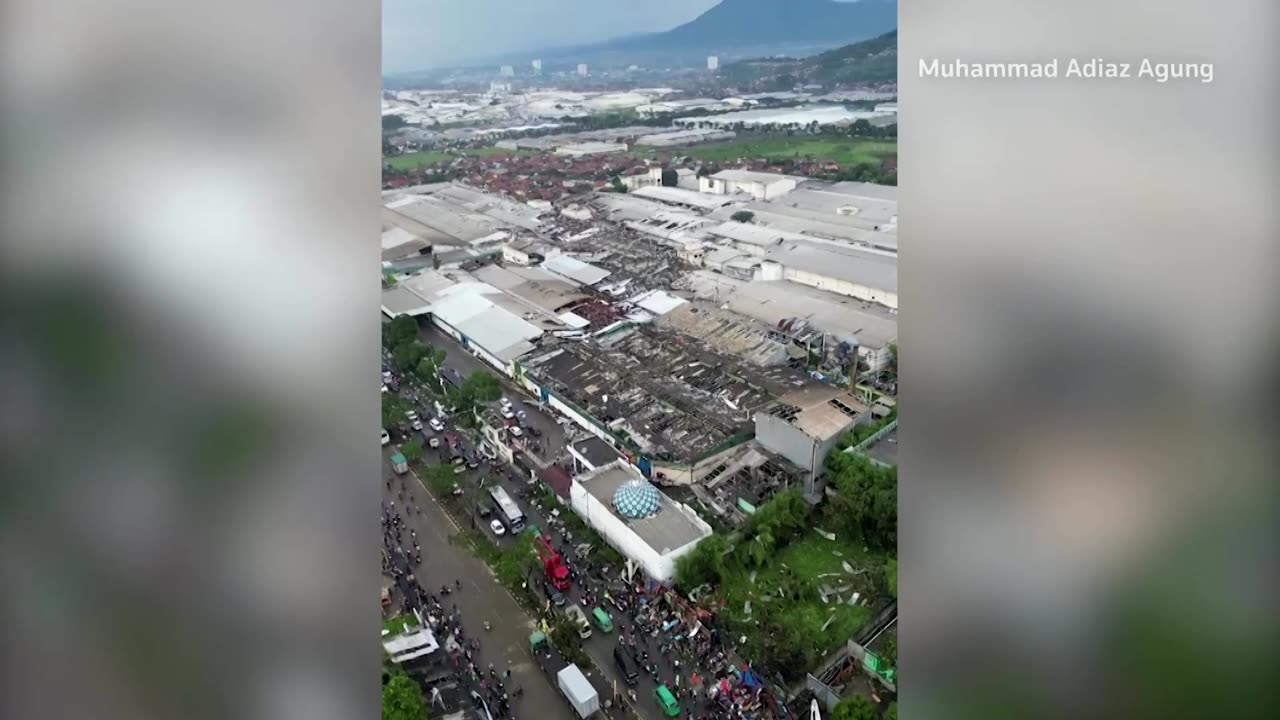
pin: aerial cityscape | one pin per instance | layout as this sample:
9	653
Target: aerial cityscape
639	366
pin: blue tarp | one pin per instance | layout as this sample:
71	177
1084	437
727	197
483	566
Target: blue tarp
750	680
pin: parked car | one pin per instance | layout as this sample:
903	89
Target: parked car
579	619
472	464
515	431
626	667
386	438
483	510
507	414
553	594
496	526
416	424
436	424
433	441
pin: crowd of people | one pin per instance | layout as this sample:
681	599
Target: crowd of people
446	623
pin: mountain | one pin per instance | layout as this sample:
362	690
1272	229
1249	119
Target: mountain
739	23
743	28
870	62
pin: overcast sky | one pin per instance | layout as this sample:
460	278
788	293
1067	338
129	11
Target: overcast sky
420	34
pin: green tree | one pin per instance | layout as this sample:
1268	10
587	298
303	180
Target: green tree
704	564
406	356
412	450
403	329
393	410
670	178
481	386
743	216
855	707
616	182
402	699
891	712
891	575
865	503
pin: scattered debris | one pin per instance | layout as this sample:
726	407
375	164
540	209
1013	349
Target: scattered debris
825	534
847	567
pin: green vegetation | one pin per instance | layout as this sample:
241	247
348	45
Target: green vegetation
402	698
395	625
427	158
412	450
855	707
862	432
771	576
846	151
564	636
865	504
868	62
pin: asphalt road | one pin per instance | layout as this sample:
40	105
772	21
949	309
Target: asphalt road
481	598
458	358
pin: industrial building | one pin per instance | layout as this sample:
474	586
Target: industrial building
807	423
590	148
685	137
795	117
636	518
761	186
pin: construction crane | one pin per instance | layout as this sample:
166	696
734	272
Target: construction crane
552	566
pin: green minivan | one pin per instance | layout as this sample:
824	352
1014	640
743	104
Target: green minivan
603	621
666	701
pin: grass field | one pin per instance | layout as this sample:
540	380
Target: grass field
845	151
427	158
814	558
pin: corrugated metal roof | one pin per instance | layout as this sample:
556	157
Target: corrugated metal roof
575	269
862	267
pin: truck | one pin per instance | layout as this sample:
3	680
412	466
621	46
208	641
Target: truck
552	566
399	463
584	698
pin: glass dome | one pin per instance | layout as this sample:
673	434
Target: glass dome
636	499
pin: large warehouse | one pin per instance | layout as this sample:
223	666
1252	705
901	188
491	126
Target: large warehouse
807	423
636	518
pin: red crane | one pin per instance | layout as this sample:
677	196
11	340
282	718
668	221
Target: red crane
552	566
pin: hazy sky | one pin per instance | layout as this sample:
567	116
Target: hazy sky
419	34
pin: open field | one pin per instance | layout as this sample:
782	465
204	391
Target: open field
816	562
426	158
845	151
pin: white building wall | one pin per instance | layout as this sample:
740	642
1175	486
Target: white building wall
659	566
843	287
513	255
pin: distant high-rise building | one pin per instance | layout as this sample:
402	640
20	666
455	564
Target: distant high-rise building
537	66
713	62
507	71
582	69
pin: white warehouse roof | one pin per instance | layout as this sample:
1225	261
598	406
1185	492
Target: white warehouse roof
575	269
863	267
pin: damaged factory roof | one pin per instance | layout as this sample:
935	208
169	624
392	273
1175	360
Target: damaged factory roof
666	394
